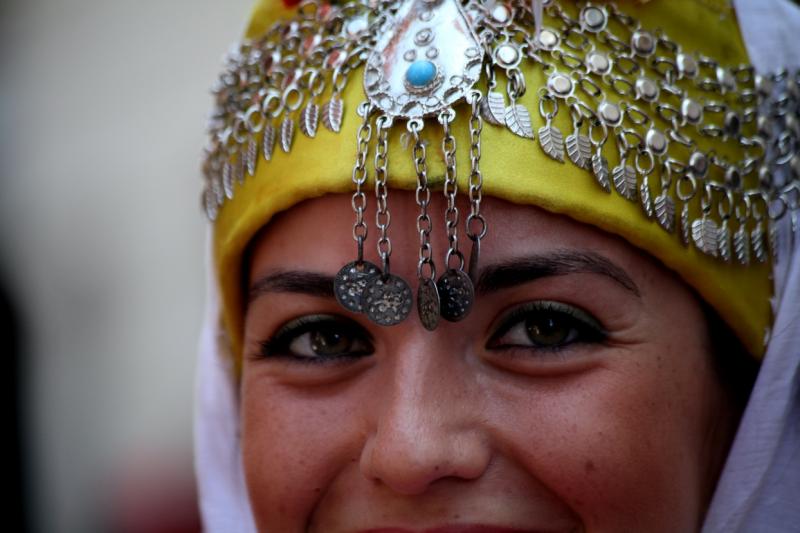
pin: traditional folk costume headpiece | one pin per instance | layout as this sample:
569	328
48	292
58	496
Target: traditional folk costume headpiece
646	121
624	118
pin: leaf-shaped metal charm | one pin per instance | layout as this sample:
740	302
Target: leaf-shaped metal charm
493	108
705	235
759	246
665	212
332	113
210	204
552	141
287	134
518	120
686	231
724	242
309	120
600	170
268	142
579	148
227	180
773	242
741	245
645	199
625	181
252	156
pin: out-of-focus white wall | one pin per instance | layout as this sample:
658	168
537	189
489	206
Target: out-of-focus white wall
102	107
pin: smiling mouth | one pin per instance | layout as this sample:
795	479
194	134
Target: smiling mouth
456	528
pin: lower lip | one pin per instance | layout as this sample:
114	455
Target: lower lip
454	529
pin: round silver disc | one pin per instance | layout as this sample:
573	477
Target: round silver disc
594	19
387	300
428	304
456	293
598	63
348	286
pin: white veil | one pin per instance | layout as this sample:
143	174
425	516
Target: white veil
760	485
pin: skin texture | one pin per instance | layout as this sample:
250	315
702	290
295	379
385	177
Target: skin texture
444	428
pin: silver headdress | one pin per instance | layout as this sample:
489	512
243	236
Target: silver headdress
622	86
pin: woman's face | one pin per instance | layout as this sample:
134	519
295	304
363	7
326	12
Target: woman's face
579	394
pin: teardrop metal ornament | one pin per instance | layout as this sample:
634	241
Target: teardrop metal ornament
758	242
287	134
724	242
773	241
457	294
332	113
387	300
741	245
625	181
579	148
552	141
309	120
645	199
518	120
268	142
686	226
428	304
665	212
433	81
227	180
252	156
600	170
349	283
493	108
705	234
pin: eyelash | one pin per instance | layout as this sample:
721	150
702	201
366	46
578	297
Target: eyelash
587	329
278	346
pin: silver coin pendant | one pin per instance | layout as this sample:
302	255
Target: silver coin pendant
457	294
387	300
350	281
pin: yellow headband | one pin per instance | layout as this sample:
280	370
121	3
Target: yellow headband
514	169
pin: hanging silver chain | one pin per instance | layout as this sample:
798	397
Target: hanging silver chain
450	189
476	223
423	197
382	217
359	199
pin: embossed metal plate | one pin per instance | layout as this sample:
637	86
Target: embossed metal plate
387	300
428	304
350	281
456	293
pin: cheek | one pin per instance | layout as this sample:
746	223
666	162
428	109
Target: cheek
622	445
293	445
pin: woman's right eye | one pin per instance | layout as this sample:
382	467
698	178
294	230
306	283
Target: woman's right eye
318	339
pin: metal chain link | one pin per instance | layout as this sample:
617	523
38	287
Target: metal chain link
450	188
382	216
423	198
359	199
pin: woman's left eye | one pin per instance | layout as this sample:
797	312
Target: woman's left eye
546	325
318	338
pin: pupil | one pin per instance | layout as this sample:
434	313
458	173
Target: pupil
328	342
547	330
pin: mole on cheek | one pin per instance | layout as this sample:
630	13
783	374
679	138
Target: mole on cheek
589	466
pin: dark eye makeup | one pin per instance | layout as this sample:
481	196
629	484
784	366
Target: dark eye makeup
546	326
538	326
318	339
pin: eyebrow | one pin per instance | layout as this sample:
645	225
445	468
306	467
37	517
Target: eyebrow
493	277
517	271
295	281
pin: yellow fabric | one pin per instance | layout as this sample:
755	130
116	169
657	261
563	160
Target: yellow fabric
514	169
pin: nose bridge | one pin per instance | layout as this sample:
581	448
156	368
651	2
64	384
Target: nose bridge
427	426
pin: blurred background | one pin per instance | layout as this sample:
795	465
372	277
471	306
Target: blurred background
102	114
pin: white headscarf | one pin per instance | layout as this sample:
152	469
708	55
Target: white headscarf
759	489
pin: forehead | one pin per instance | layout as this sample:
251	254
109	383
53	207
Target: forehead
317	234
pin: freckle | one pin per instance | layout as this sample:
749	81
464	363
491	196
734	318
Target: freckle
436	468
318	490
589	466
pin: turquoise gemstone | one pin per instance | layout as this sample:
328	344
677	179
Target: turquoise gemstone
421	73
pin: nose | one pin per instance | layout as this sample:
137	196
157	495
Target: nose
428	423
